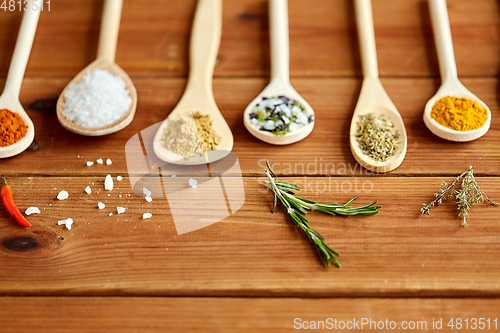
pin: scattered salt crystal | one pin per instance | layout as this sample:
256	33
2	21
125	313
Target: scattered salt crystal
99	99
146	192
99	161
62	195
147	215
32	210
101	205
89	163
120	196
68	222
149	199
88	190
110	214
119	178
121	210
108	162
193	182
108	183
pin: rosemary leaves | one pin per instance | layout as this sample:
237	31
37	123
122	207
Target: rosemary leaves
468	195
297	207
376	137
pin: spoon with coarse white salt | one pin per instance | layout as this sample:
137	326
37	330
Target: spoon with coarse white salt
451	85
374	102
198	96
10	97
101	99
279	115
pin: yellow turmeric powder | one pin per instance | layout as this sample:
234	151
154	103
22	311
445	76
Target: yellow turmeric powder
460	114
12	128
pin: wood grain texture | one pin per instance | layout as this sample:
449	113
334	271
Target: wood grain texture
398	252
154	36
154	314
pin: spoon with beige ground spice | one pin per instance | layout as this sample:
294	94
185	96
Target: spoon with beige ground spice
214	134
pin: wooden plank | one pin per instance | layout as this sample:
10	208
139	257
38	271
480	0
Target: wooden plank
154	38
154	314
398	252
325	152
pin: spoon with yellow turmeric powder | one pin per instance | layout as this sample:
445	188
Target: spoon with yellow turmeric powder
16	128
453	113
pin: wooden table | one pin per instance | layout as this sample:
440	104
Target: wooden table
253	271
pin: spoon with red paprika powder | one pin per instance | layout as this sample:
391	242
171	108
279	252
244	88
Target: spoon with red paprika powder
10	206
16	128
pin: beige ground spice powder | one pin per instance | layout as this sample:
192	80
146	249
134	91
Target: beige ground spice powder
190	134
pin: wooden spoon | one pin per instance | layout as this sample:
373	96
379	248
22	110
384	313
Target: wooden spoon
280	79
373	98
110	25
198	96
10	97
451	85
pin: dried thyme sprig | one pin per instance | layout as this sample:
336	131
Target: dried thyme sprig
376	137
468	195
297	207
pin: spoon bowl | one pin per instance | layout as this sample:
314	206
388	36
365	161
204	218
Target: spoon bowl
198	96
279	88
108	38
10	97
373	98
280	79
113	68
451	85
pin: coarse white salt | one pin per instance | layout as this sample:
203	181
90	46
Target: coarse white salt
62	195
119	178
193	182
99	161
146	192
120	196
100	205
147	215
32	210
108	183
121	210
99	99
68	222
108	162
88	190
110	214
149	199
90	163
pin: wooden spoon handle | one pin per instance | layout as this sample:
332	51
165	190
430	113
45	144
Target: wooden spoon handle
110	26
22	52
366	36
442	39
204	46
280	48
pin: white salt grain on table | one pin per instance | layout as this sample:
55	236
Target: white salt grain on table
149	199
68	222
99	99
121	210
62	195
146	192
32	210
119	178
147	215
193	182
108	162
90	163
108	183
100	205
99	161
88	190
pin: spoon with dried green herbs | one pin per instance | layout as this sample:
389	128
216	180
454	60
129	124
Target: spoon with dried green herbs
378	134
468	195
297	208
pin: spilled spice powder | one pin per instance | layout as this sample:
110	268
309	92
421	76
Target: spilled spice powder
12	128
190	134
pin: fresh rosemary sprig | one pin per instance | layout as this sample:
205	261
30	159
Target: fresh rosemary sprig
297	207
468	195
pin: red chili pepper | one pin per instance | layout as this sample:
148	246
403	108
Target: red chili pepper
8	203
